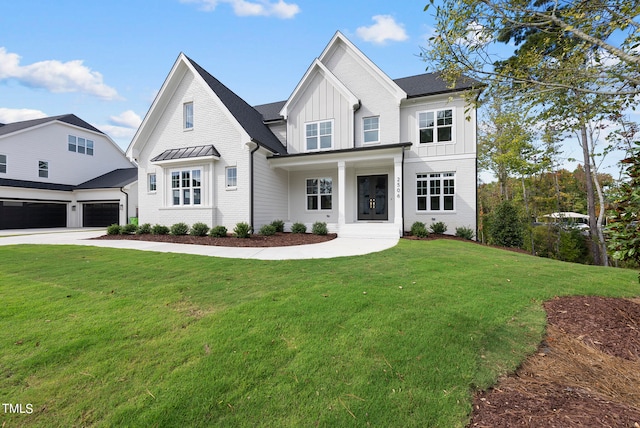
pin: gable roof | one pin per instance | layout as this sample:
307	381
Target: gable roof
114	179
248	117
271	112
433	84
71	119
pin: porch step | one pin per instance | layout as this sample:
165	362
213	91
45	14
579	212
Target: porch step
369	230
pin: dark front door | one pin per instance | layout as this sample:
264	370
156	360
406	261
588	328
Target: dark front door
372	197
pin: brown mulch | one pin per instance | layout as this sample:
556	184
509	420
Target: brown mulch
586	373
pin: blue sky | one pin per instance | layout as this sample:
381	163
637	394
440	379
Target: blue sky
105	61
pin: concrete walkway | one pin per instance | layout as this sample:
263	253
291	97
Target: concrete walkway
338	247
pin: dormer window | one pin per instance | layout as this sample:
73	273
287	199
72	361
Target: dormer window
188	115
319	135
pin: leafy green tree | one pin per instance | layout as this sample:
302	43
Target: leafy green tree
506	226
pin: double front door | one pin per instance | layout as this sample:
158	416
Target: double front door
372	197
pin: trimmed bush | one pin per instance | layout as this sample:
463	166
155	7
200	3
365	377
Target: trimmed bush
199	229
298	228
242	230
268	230
465	232
319	228
419	229
279	225
159	229
144	229
506	227
114	229
129	229
179	229
438	228
218	232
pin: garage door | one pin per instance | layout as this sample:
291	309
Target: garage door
29	215
101	214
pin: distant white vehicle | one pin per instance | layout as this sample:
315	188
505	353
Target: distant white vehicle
568	218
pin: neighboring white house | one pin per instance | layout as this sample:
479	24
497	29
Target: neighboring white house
351	147
62	172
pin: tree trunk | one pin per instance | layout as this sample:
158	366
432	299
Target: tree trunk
591	203
604	257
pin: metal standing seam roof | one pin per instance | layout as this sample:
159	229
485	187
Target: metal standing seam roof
71	119
187	153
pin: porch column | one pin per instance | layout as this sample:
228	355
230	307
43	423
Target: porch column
342	194
397	190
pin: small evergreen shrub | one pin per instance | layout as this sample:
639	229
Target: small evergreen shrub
179	229
242	230
279	225
298	228
419	229
114	229
465	232
438	227
199	229
319	228
159	229
218	232
144	229
506	226
129	229
268	230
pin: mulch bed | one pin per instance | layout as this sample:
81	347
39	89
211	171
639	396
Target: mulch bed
277	240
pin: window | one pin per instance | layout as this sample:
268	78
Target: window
188	115
43	169
319	193
90	147
186	187
436	126
72	143
80	145
232	176
436	192
3	164
371	127
319	135
152	183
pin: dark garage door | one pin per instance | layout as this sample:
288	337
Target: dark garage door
28	215
100	214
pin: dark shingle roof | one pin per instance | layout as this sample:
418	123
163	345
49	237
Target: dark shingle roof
71	119
186	153
432	84
8	182
114	179
270	112
248	117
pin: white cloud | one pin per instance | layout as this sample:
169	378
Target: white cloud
385	29
127	119
8	115
55	76
279	9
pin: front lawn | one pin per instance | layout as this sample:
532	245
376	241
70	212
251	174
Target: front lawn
400	338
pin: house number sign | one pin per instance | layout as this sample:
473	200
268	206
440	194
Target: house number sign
398	187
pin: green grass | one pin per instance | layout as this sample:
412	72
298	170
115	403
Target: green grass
105	337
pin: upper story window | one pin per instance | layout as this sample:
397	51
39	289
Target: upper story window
319	193
232	176
43	169
436	192
319	135
3	164
188	115
186	187
436	126
80	145
371	126
152	182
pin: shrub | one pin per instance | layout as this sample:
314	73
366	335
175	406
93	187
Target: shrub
279	225
179	229
418	229
319	228
465	232
268	230
159	229
129	229
218	232
438	227
298	228
199	229
242	230
506	227
114	229
144	229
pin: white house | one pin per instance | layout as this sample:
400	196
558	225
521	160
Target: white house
351	147
62	172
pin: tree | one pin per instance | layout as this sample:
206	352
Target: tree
506	226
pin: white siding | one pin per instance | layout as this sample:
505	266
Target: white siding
270	192
297	196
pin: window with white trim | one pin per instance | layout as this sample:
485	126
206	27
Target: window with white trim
152	182
80	145
319	193
3	164
187	111
186	187
319	135
43	169
436	192
232	176
436	126
371	126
